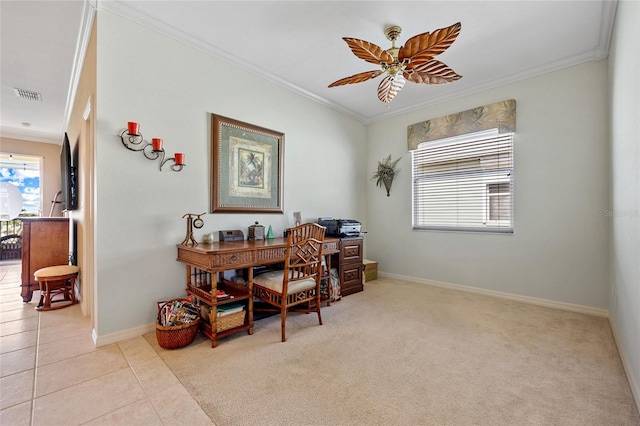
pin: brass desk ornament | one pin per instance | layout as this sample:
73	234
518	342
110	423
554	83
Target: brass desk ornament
193	221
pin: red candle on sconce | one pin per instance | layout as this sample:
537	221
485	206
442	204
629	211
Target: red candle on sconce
157	144
133	128
179	158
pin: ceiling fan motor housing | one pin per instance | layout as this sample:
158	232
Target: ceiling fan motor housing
393	33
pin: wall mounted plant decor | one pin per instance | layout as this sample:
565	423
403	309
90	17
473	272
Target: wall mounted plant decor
386	172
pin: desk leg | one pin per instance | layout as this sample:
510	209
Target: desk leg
250	304
26	292
214	307
328	278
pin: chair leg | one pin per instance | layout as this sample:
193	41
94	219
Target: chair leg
47	296
283	321
73	291
41	302
318	308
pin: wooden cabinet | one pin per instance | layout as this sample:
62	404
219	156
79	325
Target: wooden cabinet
350	265
45	242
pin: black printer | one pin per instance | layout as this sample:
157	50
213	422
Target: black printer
340	227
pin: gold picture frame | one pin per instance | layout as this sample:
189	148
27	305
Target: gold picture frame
246	167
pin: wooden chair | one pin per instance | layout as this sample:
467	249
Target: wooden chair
298	283
56	281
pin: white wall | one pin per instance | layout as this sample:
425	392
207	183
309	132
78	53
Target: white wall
559	247
624	64
171	89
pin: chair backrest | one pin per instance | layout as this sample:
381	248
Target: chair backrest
304	253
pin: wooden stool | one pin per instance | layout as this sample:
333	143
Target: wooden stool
56	281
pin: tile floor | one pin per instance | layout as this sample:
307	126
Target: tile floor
52	374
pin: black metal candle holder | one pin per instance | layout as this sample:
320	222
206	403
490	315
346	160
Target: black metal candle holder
136	142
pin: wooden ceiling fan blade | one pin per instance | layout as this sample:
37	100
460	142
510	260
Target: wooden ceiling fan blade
432	72
356	78
434	67
368	51
432	43
389	88
418	59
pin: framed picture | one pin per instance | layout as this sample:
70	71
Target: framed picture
246	167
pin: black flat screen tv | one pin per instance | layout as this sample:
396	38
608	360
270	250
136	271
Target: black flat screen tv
68	176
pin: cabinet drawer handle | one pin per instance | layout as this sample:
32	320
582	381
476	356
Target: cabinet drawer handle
234	257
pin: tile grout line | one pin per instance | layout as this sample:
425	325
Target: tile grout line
35	370
144	390
146	393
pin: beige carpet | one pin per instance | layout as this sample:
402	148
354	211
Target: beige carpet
404	353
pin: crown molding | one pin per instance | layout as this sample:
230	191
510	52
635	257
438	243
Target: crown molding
599	52
607	21
128	12
498	82
88	17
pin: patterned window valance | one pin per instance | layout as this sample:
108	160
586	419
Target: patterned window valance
501	116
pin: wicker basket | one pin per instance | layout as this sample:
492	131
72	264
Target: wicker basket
176	336
230	321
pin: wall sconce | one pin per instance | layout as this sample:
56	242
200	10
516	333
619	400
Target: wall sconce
133	140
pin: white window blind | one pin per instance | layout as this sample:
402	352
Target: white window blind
464	183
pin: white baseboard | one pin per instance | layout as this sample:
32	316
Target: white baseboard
118	336
509	296
628	368
150	327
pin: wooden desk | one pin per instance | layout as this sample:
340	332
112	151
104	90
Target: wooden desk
223	256
206	264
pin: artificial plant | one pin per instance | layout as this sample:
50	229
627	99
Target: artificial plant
386	172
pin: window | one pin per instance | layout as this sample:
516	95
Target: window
498	202
23	171
464	183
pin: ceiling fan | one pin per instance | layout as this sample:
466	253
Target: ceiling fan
413	61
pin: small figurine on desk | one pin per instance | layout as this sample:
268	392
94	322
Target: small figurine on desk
193	220
270	235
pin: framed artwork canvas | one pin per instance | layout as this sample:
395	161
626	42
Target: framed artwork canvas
246	167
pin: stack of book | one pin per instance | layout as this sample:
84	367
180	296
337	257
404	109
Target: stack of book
223	295
228	309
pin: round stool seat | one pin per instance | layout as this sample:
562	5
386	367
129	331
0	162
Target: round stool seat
56	281
56	271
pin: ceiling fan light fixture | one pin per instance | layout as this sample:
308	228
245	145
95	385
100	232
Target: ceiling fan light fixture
413	61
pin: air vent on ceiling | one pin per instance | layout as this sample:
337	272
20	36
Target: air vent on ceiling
28	94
